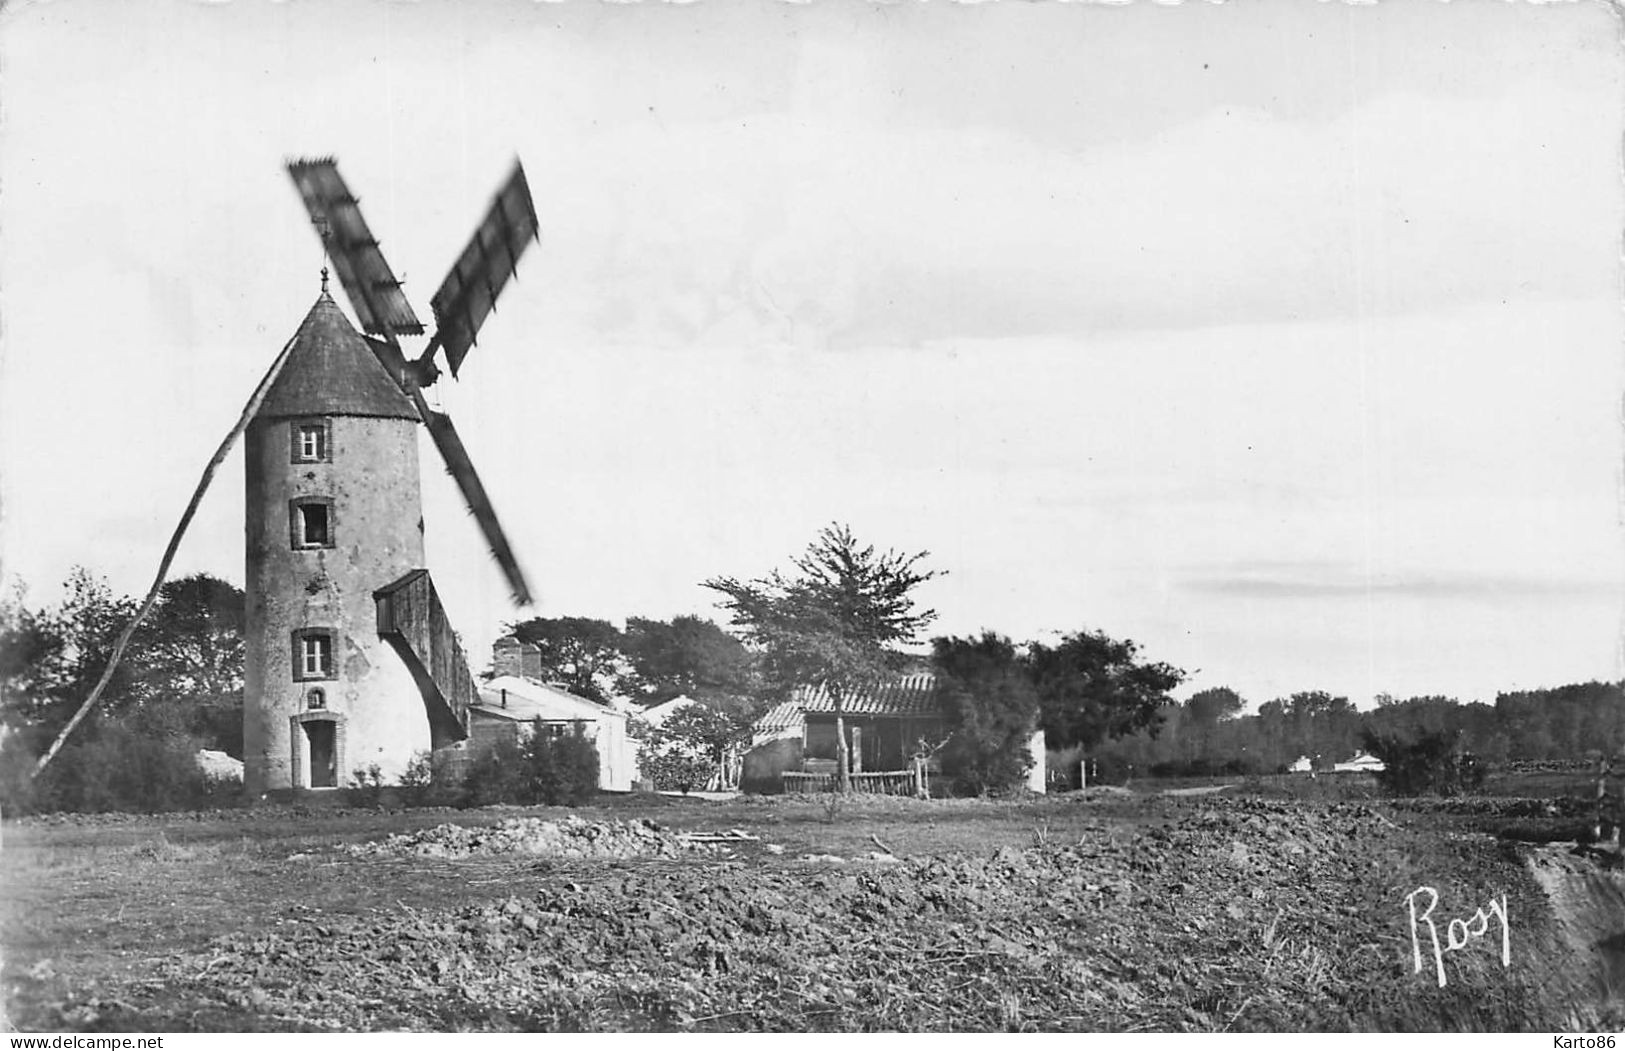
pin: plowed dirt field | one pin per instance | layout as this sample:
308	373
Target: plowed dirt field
1104	912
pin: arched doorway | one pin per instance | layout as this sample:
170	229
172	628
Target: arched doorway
318	749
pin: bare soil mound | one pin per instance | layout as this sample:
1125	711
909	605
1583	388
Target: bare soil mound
572	837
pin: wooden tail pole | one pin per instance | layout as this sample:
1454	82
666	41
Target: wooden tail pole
219	457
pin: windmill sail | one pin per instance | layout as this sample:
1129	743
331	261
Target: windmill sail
470	290
462	471
376	295
461	306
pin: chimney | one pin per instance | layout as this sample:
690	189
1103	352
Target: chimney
530	660
505	658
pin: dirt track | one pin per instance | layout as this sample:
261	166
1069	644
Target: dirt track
1588	911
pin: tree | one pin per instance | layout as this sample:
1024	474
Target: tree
187	657
1416	715
581	652
1092	687
1205	710
1213	706
990	707
1426	762
1272	732
61	652
191	647
1326	726
29	643
693	742
688	656
562	769
834	622
89	622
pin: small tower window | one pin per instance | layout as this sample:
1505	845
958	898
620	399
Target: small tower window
310	441
310	520
313	658
313	520
316	701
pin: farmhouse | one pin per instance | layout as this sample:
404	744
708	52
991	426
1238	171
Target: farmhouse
514	704
884	727
1360	762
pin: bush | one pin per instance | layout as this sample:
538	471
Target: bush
545	769
982	762
1105	768
417	779
115	765
425	777
562	770
17	761
675	769
1427	764
990	707
1063	768
1112	769
1207	767
431	779
367	785
497	775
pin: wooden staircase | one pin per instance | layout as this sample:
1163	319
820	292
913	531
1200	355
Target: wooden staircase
412	621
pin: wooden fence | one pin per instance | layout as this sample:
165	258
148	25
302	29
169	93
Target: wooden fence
886	782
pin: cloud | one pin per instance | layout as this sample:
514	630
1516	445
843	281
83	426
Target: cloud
1324	580
797	230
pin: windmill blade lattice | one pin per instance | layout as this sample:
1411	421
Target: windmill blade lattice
461	469
376	295
465	298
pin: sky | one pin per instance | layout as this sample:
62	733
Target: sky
1283	338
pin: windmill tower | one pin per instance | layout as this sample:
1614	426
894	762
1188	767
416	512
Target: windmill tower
350	659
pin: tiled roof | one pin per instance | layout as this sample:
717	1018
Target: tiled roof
909	695
779	718
528	699
331	371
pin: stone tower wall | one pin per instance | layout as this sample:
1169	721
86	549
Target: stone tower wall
371	479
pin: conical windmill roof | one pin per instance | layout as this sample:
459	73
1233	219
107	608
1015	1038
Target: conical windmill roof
332	372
